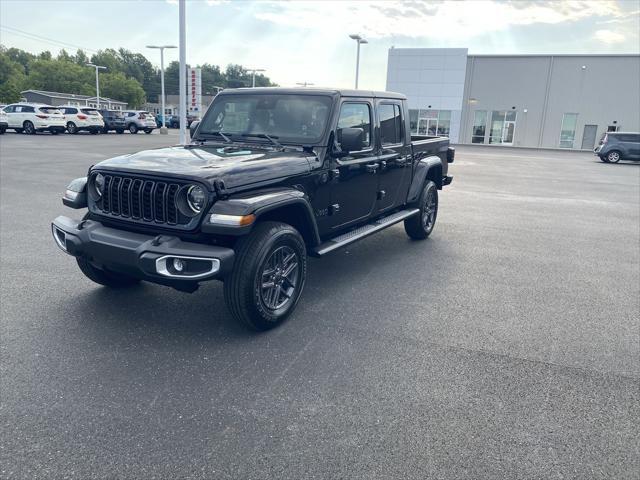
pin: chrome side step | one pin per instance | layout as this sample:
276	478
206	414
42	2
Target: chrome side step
362	232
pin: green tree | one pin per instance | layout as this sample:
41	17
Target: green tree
61	76
119	87
12	78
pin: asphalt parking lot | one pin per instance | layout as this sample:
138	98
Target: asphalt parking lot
505	346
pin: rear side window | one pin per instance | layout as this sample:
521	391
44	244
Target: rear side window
356	115
90	111
628	137
70	111
49	110
390	124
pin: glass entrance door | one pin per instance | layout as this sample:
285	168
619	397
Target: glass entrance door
503	127
427	126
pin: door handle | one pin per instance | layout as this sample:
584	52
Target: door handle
371	167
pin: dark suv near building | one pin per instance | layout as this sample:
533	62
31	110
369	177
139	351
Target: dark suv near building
113	120
616	146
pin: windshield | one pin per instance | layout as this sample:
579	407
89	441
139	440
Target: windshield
299	119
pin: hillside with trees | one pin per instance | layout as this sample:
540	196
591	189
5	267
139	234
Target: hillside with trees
129	77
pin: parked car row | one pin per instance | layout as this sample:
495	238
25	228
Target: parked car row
31	118
173	121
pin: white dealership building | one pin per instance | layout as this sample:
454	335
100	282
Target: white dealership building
548	101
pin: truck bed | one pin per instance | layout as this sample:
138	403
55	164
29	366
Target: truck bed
423	146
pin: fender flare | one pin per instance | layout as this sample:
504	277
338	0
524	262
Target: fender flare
425	169
262	204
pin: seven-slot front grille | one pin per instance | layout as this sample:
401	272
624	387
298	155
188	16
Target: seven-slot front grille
141	199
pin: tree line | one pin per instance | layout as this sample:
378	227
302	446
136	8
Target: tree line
130	77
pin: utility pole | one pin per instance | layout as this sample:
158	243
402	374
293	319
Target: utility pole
163	130
253	75
98	68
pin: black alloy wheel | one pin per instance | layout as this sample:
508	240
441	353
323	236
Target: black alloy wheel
28	128
72	128
279	278
421	225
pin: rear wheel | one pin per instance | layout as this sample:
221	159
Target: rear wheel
105	130
2	130
614	156
72	128
268	276
105	277
94	131
133	128
148	131
420	226
28	128
119	130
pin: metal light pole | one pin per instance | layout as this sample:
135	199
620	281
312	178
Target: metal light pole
163	130
183	72
253	75
98	68
359	40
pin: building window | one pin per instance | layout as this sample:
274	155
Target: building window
568	130
503	127
479	126
430	122
612	128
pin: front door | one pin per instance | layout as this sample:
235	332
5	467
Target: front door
395	156
354	182
507	132
589	137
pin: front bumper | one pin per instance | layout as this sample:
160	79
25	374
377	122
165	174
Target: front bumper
142	256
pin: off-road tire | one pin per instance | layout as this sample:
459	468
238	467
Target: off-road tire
244	289
72	128
420	226
614	156
104	277
133	128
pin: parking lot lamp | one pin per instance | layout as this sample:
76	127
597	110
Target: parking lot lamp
182	13
164	112
98	68
253	75
359	40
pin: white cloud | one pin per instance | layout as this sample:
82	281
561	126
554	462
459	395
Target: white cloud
609	37
451	19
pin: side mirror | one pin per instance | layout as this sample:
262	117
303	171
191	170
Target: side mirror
193	127
351	139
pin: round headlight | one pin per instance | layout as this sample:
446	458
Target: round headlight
196	198
98	183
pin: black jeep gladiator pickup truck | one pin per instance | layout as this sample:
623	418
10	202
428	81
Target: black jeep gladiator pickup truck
270	176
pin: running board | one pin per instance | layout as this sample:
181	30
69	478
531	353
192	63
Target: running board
362	232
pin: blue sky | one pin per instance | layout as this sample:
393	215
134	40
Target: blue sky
298	41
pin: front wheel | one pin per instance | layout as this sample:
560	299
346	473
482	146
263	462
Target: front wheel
104	277
72	128
613	156
420	226
268	276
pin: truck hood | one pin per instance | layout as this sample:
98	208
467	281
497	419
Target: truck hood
235	165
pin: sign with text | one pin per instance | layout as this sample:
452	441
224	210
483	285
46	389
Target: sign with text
194	91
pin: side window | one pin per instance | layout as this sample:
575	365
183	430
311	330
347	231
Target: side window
28	109
390	124
18	109
9	109
355	115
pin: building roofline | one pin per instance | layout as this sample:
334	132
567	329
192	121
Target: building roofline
70	96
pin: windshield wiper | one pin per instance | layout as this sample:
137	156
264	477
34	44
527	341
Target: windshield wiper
213	134
271	138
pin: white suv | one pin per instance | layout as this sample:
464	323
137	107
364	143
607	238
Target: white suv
136	120
82	118
34	117
4	124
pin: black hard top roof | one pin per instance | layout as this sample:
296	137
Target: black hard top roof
315	91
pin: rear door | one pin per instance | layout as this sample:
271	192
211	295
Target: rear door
395	155
354	180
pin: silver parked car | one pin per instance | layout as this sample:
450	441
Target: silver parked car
136	120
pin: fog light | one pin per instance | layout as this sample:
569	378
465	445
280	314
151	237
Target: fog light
178	265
